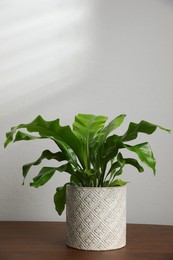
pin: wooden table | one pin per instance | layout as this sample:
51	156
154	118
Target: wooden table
46	241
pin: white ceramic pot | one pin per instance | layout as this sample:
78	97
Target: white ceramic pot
96	217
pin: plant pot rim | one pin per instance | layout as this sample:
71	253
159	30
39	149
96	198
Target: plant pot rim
90	187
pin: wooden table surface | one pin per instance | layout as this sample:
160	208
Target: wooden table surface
46	241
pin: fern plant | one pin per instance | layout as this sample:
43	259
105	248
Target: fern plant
88	151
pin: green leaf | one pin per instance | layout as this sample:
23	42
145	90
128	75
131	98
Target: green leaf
62	135
120	159
142	127
20	136
114	124
105	184
120	163
10	135
114	166
134	163
110	149
98	147
66	168
59	156
117	182
44	176
86	128
60	199
74	180
47	172
117	173
145	154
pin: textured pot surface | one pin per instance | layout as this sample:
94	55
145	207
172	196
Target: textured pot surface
96	217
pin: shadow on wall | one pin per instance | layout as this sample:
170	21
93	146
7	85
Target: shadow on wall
44	48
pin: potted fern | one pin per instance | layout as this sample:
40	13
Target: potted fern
95	196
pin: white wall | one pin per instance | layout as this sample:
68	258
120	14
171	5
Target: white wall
62	57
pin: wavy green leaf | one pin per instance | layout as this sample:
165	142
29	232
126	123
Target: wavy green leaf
60	199
62	135
59	156
86	128
145	154
47	172
99	145
44	176
21	136
142	127
114	124
110	149
117	182
120	163
10	135
134	163
114	166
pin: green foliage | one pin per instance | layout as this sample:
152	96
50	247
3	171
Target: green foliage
90	154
